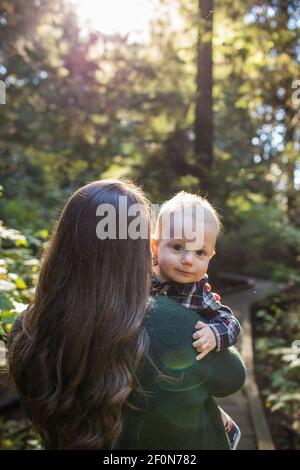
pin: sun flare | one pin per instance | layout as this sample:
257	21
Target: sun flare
116	16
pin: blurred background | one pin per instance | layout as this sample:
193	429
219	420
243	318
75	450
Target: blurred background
174	94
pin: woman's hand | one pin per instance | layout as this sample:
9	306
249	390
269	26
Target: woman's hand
205	340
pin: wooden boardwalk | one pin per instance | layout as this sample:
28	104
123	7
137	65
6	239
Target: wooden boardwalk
245	406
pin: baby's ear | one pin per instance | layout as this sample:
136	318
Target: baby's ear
154	244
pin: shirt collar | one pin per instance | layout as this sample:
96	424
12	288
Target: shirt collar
159	285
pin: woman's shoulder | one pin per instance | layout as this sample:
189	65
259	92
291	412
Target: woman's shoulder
169	324
163	309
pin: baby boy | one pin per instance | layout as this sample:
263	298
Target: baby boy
184	242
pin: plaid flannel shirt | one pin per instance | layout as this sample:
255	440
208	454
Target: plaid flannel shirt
197	296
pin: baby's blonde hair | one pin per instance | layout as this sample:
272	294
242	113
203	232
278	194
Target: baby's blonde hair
185	199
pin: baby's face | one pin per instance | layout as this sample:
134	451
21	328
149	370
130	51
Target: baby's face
177	262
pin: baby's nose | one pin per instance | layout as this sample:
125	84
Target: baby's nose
187	257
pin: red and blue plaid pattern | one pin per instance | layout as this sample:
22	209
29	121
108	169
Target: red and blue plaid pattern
197	296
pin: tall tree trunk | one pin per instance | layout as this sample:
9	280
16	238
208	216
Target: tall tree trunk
204	105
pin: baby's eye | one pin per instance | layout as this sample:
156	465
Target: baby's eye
200	252
178	247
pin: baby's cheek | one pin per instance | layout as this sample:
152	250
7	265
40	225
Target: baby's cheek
167	261
164	260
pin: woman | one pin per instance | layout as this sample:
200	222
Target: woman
99	366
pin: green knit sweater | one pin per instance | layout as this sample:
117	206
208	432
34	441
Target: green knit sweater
180	414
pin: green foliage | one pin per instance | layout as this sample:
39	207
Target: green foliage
277	359
18	277
84	107
19	435
18	274
260	240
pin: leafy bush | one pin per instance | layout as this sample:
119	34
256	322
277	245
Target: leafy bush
19	435
18	277
277	359
260	241
18	273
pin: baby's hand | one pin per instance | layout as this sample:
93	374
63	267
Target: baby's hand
205	340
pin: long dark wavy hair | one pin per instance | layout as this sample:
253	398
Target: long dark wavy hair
82	338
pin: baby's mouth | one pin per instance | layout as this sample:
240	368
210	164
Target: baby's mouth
185	272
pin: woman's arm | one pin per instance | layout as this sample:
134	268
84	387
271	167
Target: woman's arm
228	372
